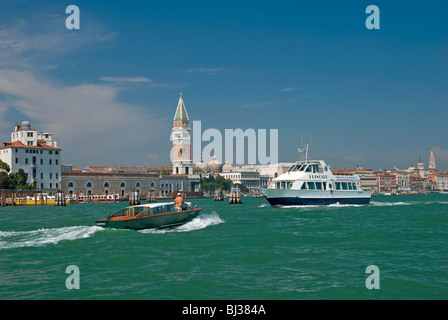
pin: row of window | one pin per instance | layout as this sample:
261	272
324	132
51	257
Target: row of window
242	176
34	161
313	168
319	185
50	176
38	151
106	184
50	185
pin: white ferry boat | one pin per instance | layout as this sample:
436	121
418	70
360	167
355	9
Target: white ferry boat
311	182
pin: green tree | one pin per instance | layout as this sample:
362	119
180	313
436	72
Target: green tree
242	187
4	166
211	183
18	180
4	180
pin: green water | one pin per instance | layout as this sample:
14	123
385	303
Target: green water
247	251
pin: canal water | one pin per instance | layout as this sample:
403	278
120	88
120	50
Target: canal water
244	251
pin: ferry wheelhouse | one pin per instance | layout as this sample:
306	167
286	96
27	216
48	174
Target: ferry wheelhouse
311	182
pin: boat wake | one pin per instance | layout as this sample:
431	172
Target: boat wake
200	222
42	237
386	204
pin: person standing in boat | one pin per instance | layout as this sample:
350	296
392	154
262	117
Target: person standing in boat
178	202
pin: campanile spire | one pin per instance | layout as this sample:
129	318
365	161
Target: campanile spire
180	137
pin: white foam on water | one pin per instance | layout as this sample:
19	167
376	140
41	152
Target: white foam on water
384	204
42	237
337	205
200	222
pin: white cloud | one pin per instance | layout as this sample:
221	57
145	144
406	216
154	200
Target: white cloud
261	104
87	120
126	79
440	154
288	89
31	44
208	71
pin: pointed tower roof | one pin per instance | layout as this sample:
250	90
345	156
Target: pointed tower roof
181	111
432	161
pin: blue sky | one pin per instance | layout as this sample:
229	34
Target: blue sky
108	91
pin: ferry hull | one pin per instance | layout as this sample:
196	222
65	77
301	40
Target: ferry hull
298	198
316	201
156	221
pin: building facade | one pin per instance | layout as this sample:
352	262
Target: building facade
248	178
402	180
122	183
386	181
36	153
442	182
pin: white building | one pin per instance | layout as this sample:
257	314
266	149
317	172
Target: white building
402	180
442	182
36	153
272	171
253	176
249	178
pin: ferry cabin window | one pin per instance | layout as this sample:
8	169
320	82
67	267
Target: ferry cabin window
311	186
338	186
355	186
289	184
303	186
344	186
295	168
319	185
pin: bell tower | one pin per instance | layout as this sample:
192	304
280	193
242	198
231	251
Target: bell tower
432	161
180	136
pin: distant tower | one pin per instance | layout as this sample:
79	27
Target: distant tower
432	162
421	168
420	165
180	136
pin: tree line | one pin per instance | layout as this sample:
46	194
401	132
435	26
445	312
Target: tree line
210	184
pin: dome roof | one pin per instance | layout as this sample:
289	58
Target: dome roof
25	125
202	166
214	165
227	167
